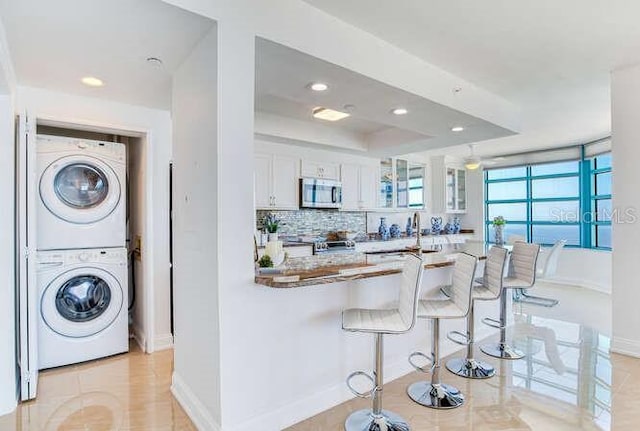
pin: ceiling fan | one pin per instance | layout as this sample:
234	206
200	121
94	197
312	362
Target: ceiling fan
473	162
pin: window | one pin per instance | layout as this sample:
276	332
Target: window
599	222
546	202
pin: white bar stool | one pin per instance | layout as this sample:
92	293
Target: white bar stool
522	275
489	290
548	269
436	394
379	322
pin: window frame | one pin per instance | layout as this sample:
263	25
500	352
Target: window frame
587	199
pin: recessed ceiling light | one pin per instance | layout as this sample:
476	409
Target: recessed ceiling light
318	86
329	114
154	61
399	111
92	81
457	129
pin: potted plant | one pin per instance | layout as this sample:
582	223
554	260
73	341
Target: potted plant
498	229
271	224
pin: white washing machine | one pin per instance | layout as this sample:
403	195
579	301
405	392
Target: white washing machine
82	304
81	193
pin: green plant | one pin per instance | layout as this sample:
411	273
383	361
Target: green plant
265	262
499	221
271	223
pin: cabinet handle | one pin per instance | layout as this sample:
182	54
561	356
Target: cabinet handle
274	201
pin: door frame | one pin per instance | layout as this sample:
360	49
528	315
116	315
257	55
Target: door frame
148	241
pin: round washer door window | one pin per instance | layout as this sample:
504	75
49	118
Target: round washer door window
80	189
83	298
81	302
80	185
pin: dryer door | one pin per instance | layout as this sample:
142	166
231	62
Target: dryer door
80	189
81	302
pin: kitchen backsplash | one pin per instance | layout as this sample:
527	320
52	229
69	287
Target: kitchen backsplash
315	222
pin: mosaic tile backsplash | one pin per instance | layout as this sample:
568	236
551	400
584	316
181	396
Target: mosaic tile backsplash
315	222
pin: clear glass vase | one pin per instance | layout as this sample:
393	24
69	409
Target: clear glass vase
498	234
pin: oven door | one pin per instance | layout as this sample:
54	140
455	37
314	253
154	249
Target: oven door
316	193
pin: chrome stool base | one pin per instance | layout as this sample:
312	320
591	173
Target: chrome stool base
365	420
502	351
471	369
439	396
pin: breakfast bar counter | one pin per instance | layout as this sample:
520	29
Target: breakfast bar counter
317	270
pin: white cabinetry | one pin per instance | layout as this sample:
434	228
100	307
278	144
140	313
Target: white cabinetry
449	186
359	186
276	182
325	170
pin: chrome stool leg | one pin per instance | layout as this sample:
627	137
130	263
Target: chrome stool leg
520	295
436	394
375	419
469	367
501	350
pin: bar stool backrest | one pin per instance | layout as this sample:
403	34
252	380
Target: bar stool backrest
524	257
551	264
463	273
494	269
410	289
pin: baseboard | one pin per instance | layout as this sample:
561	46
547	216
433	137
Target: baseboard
196	411
624	346
163	342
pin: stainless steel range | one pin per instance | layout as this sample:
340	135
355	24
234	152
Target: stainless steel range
321	247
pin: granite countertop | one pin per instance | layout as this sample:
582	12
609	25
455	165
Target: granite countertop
375	266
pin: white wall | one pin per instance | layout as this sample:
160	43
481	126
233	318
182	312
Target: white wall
196	378
625	98
7	252
156	124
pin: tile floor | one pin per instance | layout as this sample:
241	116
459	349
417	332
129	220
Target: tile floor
125	392
568	382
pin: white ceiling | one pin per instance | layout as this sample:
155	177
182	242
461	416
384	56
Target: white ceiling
284	74
55	43
551	57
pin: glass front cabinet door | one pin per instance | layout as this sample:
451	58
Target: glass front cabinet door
455	184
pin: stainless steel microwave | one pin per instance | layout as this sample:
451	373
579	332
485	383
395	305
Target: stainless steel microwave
319	193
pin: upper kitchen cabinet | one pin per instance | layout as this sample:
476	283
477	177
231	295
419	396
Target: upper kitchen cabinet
401	184
359	186
324	170
449	186
276	182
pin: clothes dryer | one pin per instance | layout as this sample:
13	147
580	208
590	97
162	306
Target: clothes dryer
81	193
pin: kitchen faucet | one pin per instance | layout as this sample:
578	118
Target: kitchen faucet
416	226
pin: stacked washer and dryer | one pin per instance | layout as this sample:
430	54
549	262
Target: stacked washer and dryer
82	264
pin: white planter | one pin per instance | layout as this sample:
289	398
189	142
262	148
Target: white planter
273	236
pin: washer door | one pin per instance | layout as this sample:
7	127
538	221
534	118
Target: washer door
80	189
81	302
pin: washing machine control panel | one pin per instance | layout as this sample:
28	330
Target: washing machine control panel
48	259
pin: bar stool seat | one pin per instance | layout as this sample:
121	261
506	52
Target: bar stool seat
379	322
374	320
441	309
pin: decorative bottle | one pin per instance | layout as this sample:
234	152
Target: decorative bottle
409	227
383	229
